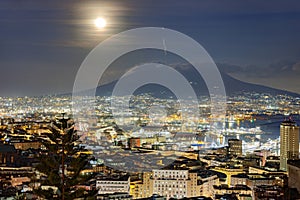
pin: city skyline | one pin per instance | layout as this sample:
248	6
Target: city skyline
159	158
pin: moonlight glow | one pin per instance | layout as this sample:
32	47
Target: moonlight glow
100	22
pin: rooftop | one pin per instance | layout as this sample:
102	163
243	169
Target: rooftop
288	122
7	148
113	178
237	187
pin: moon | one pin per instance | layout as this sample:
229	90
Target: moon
100	22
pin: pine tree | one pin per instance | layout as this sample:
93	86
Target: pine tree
62	163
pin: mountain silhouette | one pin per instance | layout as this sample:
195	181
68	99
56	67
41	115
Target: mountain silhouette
232	86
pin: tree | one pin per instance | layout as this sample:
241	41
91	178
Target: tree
62	163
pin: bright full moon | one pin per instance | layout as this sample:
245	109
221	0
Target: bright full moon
100	22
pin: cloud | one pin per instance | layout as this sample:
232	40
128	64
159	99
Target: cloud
296	67
282	75
229	68
274	69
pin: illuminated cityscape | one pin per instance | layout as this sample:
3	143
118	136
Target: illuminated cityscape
149	100
241	158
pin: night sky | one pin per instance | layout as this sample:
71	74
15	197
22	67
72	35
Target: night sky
42	44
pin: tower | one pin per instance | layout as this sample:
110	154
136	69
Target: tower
235	147
289	142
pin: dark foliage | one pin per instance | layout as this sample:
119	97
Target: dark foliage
63	155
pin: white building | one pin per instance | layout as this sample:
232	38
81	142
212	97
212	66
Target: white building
171	183
183	183
109	185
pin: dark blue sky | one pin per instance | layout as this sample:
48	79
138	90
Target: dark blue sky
42	44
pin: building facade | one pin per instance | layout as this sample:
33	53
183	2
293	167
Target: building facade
179	183
235	147
294	174
109	185
289	142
